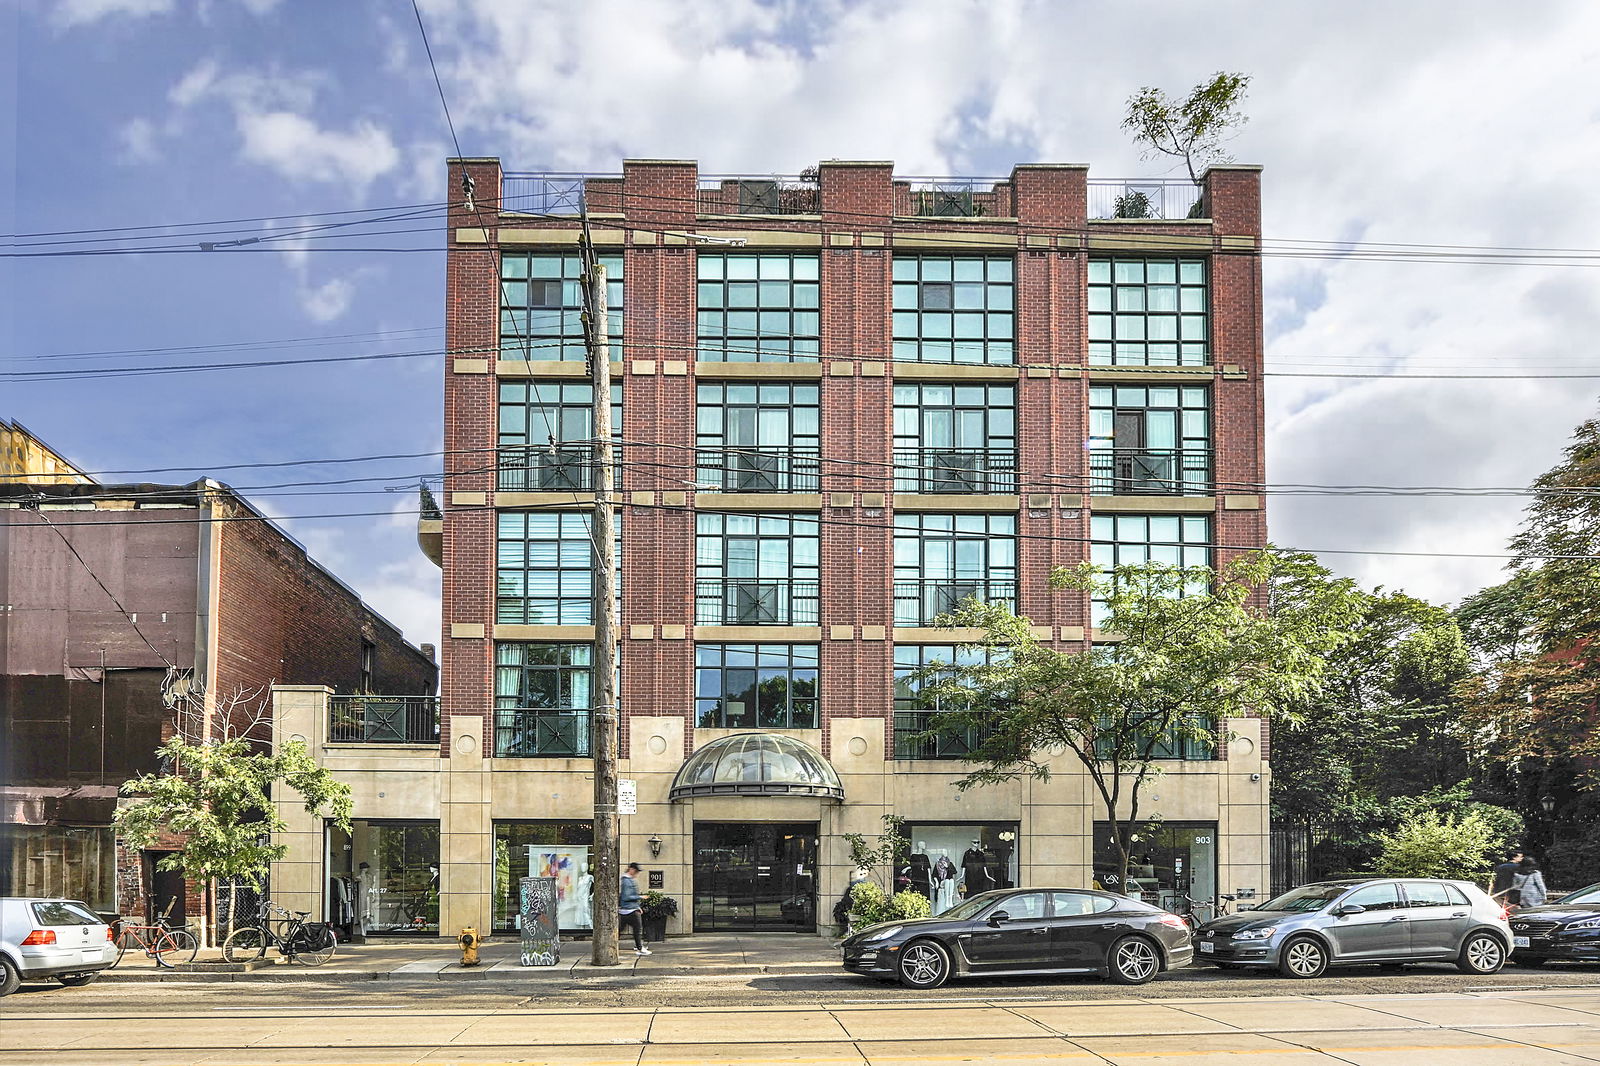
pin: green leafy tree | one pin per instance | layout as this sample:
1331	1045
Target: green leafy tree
1430	845
887	853
214	796
1192	129
1193	648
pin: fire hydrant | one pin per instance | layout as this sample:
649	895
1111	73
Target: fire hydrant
469	942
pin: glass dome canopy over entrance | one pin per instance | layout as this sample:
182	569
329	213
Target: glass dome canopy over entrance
756	764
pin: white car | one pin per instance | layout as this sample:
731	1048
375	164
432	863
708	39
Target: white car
44	938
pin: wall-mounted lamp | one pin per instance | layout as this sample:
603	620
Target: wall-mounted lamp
655	846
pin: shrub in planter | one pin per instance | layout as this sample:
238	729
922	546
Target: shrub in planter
869	905
657	908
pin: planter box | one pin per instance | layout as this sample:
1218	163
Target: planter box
655	929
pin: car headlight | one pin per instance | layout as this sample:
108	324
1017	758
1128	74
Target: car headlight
1587	923
1264	933
883	934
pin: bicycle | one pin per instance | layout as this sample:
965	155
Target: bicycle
308	943
1218	908
159	941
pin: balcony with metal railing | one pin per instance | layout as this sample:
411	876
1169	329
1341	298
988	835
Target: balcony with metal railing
919	603
964	471
1150	472
749	601
383	720
542	468
760	194
759	469
1147	198
549	192
952	197
544	732
916	736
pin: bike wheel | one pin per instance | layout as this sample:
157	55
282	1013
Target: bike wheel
125	940
312	945
244	945
165	949
185	946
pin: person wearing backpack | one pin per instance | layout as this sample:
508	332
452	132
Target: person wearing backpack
1528	884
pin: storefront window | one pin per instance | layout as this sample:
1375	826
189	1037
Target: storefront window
1169	861
71	862
383	877
950	861
544	849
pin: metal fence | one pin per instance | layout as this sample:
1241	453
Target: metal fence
557	732
383	720
1155	198
759	469
775	194
915	737
741	601
955	470
1150	472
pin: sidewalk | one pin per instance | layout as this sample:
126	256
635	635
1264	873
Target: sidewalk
709	954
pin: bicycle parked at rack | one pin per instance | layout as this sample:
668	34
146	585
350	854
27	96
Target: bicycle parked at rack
1215	908
308	943
157	940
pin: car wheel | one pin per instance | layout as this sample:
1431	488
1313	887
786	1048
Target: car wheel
1134	961
77	980
1483	953
924	964
8	978
1302	958
1530	962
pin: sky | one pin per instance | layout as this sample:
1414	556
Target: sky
1442	123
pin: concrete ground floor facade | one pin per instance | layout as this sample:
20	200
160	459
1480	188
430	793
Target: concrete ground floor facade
440	838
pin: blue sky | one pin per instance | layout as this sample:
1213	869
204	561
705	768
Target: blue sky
1430	122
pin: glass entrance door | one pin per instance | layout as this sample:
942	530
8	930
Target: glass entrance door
755	877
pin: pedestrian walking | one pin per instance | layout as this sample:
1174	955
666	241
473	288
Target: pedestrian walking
1528	885
630	912
1504	872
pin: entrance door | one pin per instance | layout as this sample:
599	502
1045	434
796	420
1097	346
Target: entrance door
166	889
751	877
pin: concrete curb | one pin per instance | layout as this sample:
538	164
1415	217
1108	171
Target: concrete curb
536	974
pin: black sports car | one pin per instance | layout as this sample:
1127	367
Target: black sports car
1567	928
1025	931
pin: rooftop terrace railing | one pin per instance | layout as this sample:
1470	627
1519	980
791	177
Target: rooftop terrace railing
1153	198
383	720
764	194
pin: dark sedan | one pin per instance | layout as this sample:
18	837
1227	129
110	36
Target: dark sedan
1567	928
1025	931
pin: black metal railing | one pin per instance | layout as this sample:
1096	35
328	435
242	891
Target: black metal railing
383	720
749	601
1150	472
768	195
918	603
1152	198
759	469
1185	747
955	470
542	733
541	468
917	737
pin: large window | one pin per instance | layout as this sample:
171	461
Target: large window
760	307
942	559
915	710
755	686
541	305
544	569
542	425
954	309
1149	440
543	701
544	849
390	876
1169	861
1131	540
1147	312
949	861
72	862
758	438
955	438
756	569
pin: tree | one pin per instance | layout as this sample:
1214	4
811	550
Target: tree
214	795
1193	649
1428	845
1192	129
889	853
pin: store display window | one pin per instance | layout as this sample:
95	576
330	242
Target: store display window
1170	861
544	849
950	861
383	878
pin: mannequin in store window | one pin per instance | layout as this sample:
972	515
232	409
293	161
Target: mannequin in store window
977	869
945	876
920	871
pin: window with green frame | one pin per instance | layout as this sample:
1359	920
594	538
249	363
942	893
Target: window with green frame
760	307
533	412
1131	540
1148	312
541	305
543	699
943	559
954	309
764	686
544	569
915	736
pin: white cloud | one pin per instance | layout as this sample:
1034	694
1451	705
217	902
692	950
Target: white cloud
69	14
139	139
328	301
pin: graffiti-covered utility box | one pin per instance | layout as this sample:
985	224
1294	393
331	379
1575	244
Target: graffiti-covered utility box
541	937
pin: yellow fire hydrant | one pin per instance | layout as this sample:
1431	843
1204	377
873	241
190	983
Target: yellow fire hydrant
469	942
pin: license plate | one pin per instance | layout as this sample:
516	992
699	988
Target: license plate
1519	941
1206	947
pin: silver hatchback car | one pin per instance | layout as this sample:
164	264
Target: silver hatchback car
1362	921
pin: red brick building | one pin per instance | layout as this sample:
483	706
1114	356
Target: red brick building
121	602
847	401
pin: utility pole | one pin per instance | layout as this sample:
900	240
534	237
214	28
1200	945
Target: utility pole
607	876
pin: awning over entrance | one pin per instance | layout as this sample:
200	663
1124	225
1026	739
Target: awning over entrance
756	764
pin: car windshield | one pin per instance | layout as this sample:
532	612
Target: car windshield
969	908
1304	899
1583	895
